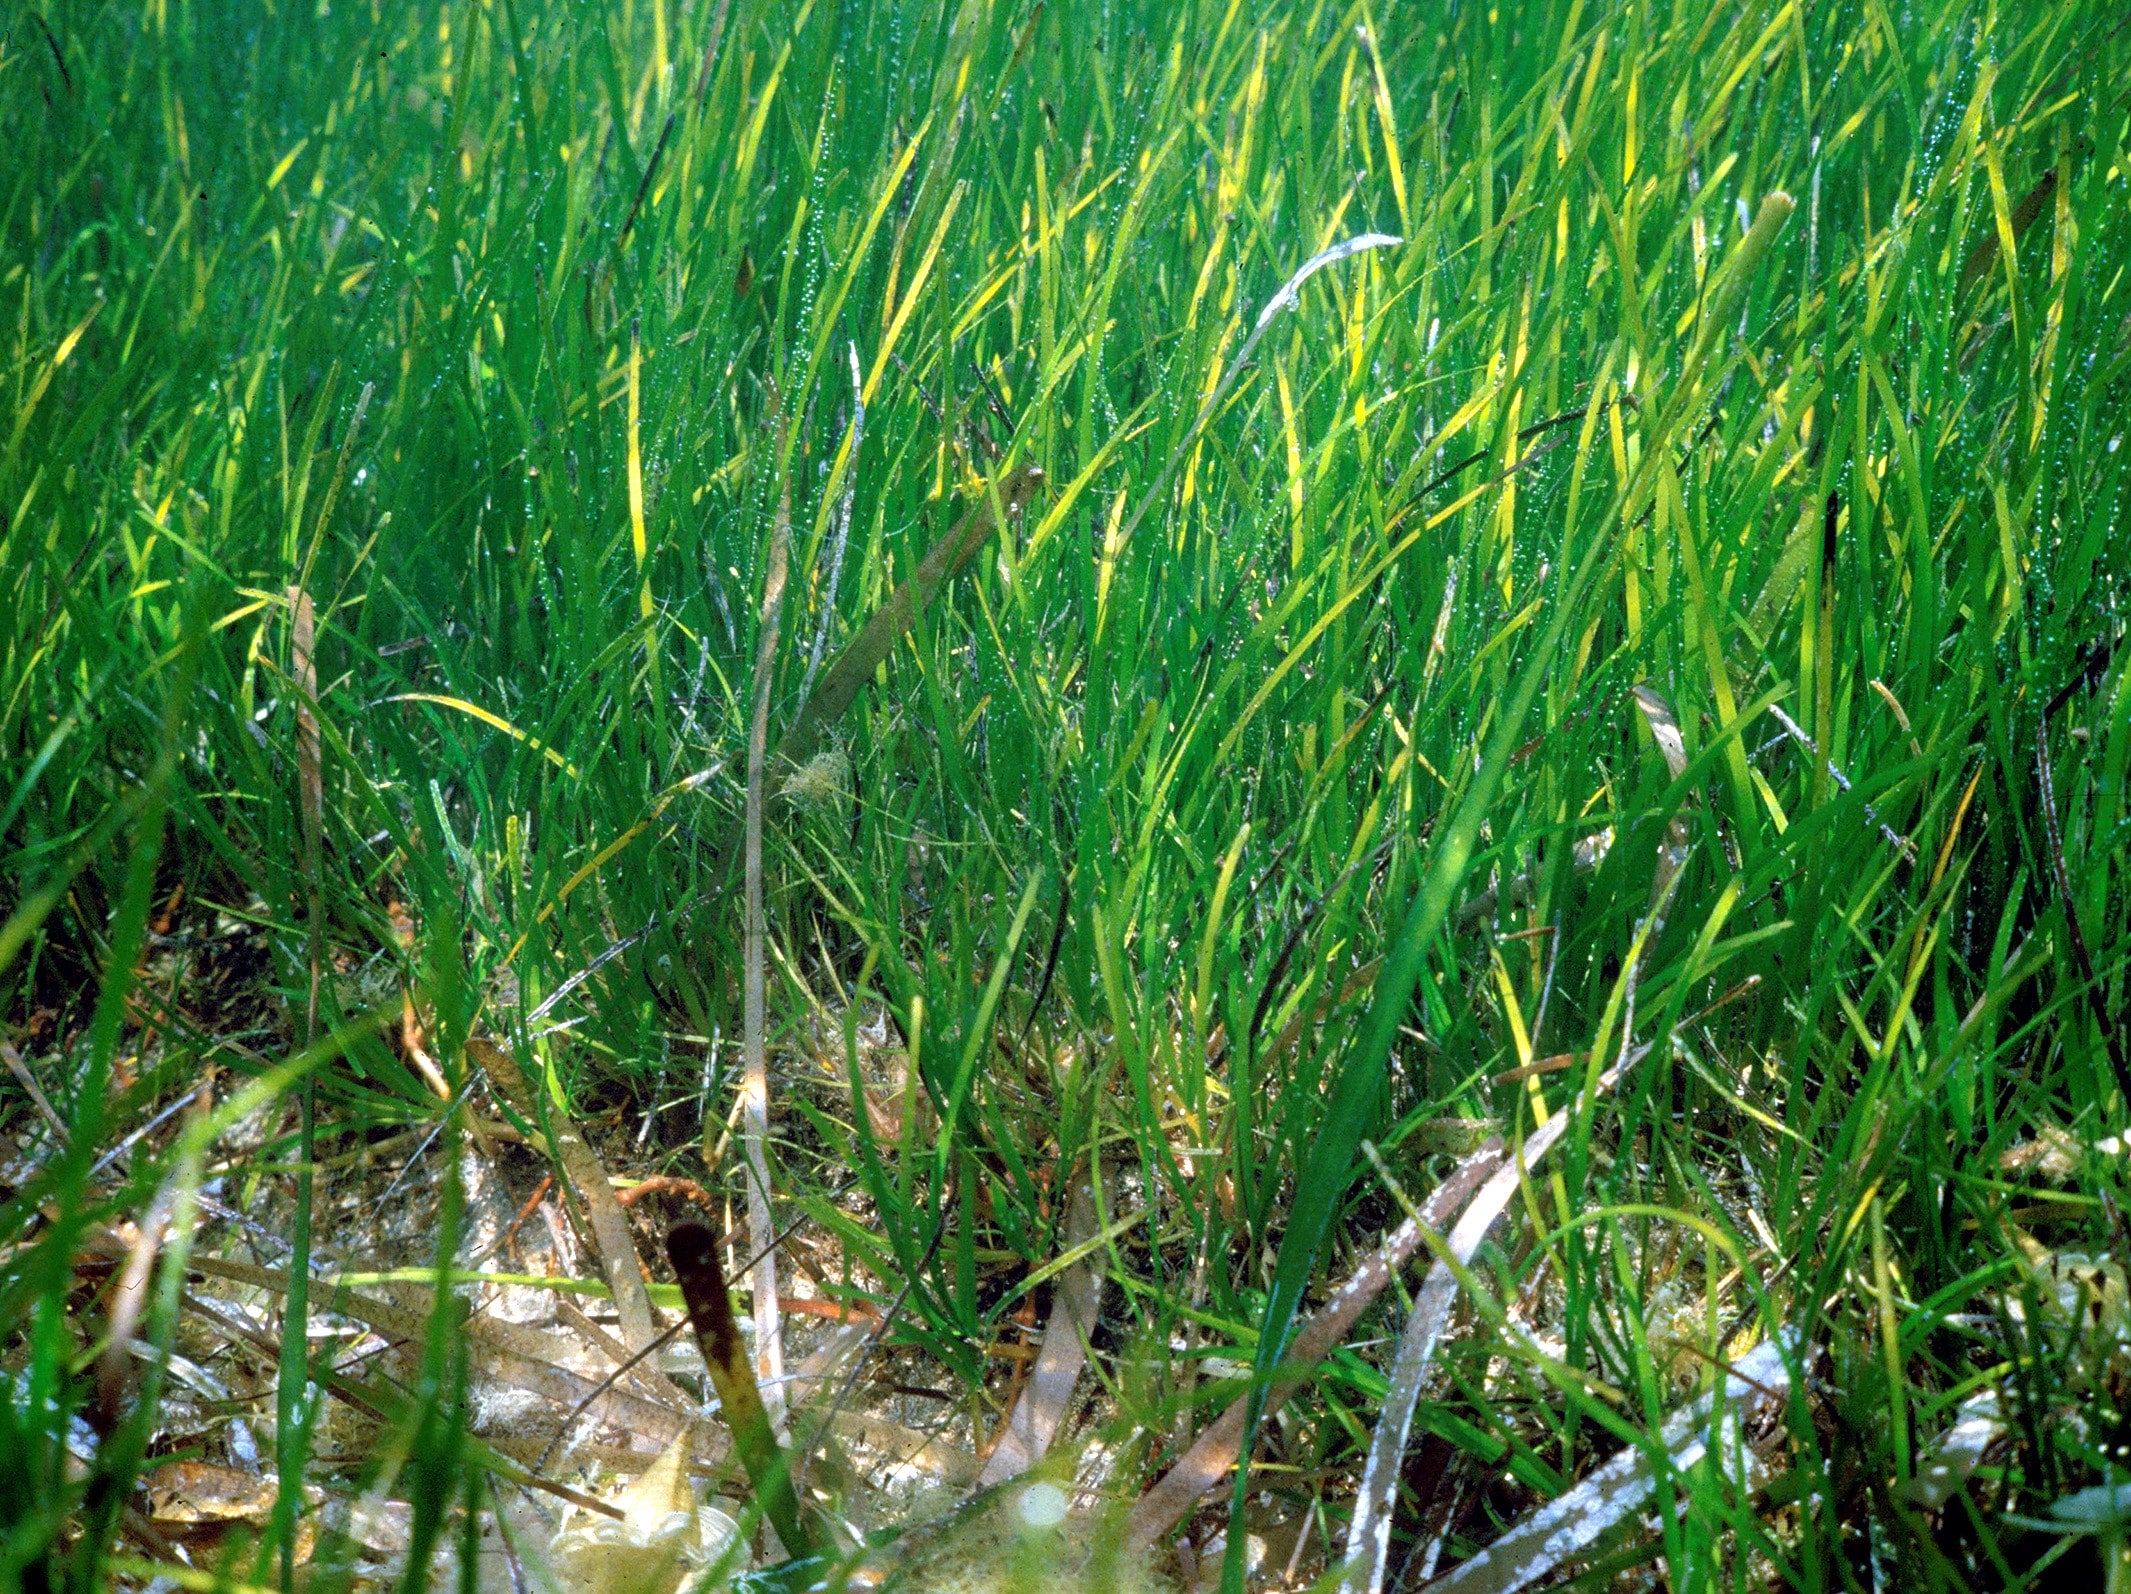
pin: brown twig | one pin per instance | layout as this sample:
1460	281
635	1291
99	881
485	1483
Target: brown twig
532	1205
831	1311
671	1184
1559	1062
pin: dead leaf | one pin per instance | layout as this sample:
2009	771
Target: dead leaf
1037	1415
661	1532
1563	1528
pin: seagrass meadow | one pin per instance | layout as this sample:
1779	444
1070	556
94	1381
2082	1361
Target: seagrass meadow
1353	771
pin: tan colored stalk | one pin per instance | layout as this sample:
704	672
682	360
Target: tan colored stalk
1037	1416
755	1084
876	639
584	1174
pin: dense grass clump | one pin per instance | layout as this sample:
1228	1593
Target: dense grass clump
1660	605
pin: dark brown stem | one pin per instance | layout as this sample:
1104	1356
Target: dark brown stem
693	1250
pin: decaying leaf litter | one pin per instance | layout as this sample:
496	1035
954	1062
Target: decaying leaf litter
1492	635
